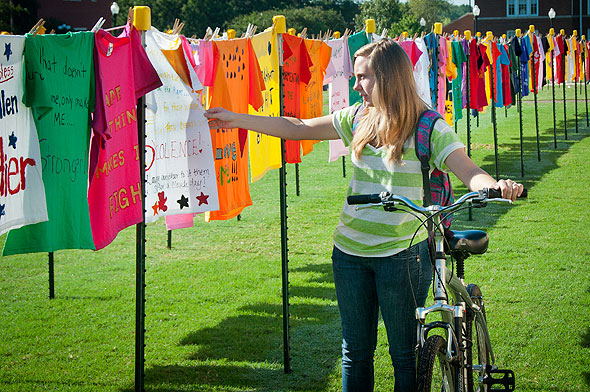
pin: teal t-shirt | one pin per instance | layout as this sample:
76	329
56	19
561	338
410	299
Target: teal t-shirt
355	42
59	87
373	232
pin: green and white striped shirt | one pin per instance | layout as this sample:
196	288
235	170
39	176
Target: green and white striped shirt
373	232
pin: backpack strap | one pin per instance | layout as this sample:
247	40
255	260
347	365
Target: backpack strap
422	146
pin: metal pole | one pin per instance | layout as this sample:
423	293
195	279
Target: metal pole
284	238
468	115
536	110
584	59
519	103
564	102
169	239
297	179
51	277
576	90
493	93
553	92
140	242
344	167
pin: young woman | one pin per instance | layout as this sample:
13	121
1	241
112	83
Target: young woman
375	268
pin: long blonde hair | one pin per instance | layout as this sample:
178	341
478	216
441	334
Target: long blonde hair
396	104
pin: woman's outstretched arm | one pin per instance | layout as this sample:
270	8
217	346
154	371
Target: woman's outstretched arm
319	128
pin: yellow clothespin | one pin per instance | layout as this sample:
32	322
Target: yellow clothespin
467	34
336	34
231	34
518	33
438	28
291	31
370	26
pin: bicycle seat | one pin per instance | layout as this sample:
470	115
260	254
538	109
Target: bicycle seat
471	241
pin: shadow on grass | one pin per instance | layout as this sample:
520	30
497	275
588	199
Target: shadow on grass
245	352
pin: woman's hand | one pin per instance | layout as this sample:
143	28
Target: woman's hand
510	189
221	118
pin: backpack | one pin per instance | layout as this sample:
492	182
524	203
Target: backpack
437	185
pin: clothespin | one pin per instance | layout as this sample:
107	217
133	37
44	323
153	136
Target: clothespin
303	33
208	33
53	31
215	33
384	33
98	24
415	36
130	17
37	26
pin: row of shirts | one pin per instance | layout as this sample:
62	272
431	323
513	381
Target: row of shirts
71	180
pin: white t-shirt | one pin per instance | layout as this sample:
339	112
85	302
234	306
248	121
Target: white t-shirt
22	194
180	171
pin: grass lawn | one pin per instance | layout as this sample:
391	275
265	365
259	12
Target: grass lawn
214	301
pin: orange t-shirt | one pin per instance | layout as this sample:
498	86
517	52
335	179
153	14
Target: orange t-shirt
296	72
312	98
238	83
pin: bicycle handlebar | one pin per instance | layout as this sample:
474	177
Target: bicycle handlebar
477	199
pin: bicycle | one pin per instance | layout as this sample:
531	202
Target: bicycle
462	358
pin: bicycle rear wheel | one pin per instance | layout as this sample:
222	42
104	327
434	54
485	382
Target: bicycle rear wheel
435	373
477	355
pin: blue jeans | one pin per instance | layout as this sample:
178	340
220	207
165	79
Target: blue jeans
363	286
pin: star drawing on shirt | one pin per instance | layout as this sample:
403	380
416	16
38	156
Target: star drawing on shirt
155	208
7	51
2	212
162	201
12	140
203	198
183	202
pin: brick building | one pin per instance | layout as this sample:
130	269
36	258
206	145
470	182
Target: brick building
76	14
505	16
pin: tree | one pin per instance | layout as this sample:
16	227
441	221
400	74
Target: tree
384	12
18	17
436	11
315	19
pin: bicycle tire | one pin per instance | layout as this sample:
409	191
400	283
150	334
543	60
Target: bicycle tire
476	346
433	353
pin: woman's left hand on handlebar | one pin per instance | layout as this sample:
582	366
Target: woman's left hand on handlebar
510	189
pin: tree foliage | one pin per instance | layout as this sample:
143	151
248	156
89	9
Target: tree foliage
315	19
18	17
197	15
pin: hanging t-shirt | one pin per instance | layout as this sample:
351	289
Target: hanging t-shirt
238	82
59	87
204	61
442	81
265	151
22	194
496	75
559	59
296	71
526	50
355	42
458	57
421	72
312	97
504	60
412	50
123	74
432	45
180	173
338	88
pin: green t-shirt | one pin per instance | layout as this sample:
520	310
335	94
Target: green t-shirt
355	42
59	87
373	232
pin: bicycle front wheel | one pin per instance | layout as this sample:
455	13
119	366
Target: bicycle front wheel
477	354
435	373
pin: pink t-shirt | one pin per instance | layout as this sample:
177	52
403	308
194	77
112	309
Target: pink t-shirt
123	74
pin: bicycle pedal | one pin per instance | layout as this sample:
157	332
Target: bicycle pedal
499	380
